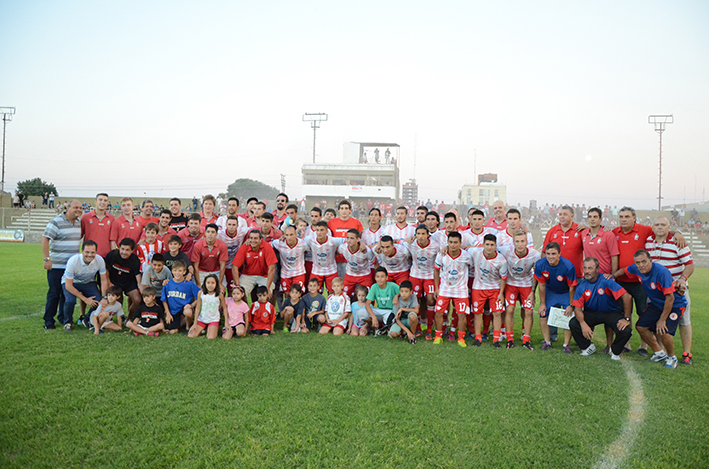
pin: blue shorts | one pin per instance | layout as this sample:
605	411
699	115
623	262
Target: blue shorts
555	300
652	314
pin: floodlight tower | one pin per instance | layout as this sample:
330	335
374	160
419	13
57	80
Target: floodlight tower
314	118
659	121
7	113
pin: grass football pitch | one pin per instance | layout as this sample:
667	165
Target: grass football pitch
115	400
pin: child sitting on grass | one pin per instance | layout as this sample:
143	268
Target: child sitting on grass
209	302
102	317
236	318
359	325
292	312
263	314
405	313
314	304
148	316
337	309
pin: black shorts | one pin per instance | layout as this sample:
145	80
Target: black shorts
233	328
261	331
176	322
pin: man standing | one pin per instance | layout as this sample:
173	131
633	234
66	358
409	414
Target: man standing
664	251
79	281
595	302
60	241
147	209
164	230
488	287
233	237
255	264
395	258
499	220
190	235
339	228
208	214
126	225
280	213
96	225
178	220
374	233
505	237
232	209
401	230
566	234
421	212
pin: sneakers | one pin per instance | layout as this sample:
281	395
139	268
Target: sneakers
528	345
510	344
546	346
642	352
67	327
429	336
413	341
671	363
658	357
477	343
484	337
497	345
615	357
136	334
438	341
686	358
462	343
50	327
567	349
590	350
153	334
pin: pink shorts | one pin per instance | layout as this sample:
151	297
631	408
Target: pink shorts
204	325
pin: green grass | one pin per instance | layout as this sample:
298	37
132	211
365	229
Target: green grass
76	400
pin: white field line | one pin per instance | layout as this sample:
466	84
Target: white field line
23	316
620	448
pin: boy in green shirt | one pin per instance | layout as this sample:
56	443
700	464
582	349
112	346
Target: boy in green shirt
383	293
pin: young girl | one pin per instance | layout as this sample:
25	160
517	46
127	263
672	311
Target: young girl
300	226
359	326
209	302
337	309
236	318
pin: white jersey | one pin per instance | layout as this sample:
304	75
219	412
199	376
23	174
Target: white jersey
324	254
399	234
292	258
399	262
440	236
423	259
335	306
453	274
488	272
232	243
520	270
241	223
358	263
504	239
370	238
477	239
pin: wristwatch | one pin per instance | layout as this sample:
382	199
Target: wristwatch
627	319
46	259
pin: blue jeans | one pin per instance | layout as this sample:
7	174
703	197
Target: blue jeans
55	297
89	290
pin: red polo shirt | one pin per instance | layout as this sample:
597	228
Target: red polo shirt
98	230
339	229
121	229
188	240
209	259
571	243
206	221
492	223
628	245
252	262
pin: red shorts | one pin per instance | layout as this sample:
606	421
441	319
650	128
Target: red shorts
326	279
229	277
480	297
423	287
398	277
340	326
297	280
204	325
351	282
521	294
460	305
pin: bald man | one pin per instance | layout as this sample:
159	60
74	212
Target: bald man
499	220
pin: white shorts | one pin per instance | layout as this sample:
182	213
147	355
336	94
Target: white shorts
685	320
108	319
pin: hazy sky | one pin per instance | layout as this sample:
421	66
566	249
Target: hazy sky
182	98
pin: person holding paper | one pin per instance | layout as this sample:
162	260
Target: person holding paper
595	302
556	277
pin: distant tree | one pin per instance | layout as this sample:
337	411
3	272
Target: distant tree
245	188
36	187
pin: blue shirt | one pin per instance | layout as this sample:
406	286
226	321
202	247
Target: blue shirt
558	279
657	283
179	295
599	296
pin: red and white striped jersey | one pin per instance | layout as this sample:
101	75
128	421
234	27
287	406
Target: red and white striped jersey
423	260
370	238
324	254
145	252
488	272
241	223
453	274
358	263
504	239
669	255
478	238
292	258
520	270
400	234
399	262
233	243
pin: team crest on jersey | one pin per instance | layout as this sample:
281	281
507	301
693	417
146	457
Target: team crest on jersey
335	307
559	278
653	286
265	314
545	274
601	291
673	316
636	237
587	293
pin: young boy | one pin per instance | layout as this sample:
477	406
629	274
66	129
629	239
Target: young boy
179	297
383	294
150	247
405	313
174	253
314	305
337	309
293	308
155	274
149	316
102	317
263	314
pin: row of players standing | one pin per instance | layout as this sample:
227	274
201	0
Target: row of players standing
250	263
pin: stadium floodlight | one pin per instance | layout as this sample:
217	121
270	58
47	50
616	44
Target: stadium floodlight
314	118
659	121
7	113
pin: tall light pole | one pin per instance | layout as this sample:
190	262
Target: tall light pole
659	121
7	113
314	118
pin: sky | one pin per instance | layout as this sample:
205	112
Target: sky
170	98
